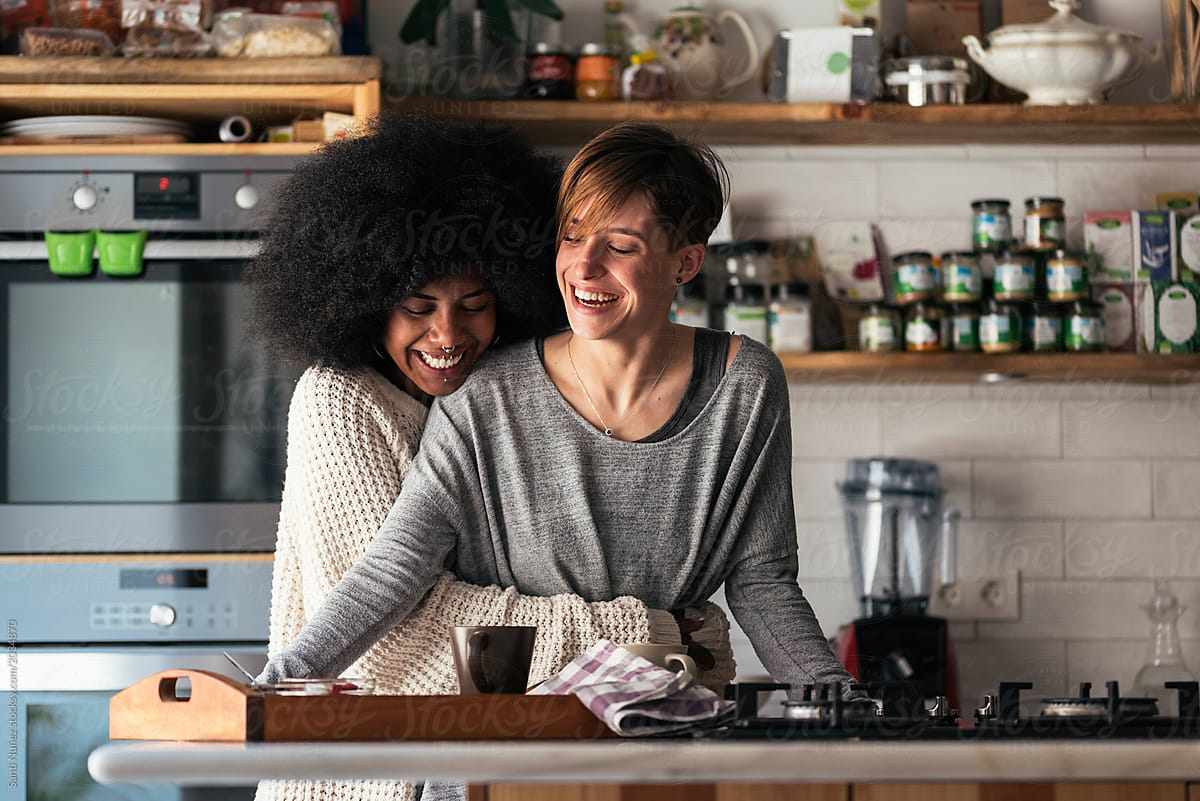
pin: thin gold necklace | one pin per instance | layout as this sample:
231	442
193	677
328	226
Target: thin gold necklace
608	432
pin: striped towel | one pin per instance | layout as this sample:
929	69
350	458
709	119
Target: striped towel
635	697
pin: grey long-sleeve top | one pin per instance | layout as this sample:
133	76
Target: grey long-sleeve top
513	487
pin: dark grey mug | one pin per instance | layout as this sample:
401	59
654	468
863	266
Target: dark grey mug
492	659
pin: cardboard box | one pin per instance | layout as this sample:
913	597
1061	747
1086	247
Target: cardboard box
1175	316
849	261
1021	12
937	29
1120	314
1186	207
1153	246
1108	239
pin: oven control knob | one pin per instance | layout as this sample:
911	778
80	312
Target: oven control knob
162	615
84	197
246	197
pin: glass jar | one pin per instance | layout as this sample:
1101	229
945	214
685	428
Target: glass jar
913	277
549	73
1065	276
1085	326
689	306
961	278
789	318
991	226
596	73
879	329
924	330
1043	328
645	78
1045	223
1015	276
746	311
999	327
964	326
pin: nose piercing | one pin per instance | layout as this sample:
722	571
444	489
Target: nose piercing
449	349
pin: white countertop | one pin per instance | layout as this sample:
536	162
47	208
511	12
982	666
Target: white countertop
211	764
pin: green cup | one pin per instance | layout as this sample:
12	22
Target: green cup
70	252
121	251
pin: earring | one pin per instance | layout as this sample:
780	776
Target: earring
375	347
678	279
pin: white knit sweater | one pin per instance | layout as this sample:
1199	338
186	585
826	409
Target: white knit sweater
352	436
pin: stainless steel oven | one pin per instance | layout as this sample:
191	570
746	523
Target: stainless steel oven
142	448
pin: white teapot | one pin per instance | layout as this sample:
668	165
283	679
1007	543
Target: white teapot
692	48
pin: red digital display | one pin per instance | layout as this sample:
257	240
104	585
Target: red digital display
163	183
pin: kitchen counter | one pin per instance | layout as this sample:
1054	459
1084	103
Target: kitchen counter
231	764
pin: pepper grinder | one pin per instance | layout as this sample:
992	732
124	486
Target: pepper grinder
1164	658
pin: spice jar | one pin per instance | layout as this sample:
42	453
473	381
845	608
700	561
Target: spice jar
991	226
1015	276
964	328
789	318
913	277
879	329
645	78
596	73
999	327
961	279
1042	328
1065	276
1045	223
549	73
924	329
1085	326
746	311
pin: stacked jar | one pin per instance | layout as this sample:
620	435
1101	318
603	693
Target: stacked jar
915	284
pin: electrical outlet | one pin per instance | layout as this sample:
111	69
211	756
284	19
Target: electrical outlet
994	598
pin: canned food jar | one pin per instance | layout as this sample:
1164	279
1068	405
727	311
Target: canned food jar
964	327
879	329
991	226
999	327
1066	278
596	73
925	328
789	318
914	278
961	278
1045	223
1015	276
1043	328
1085	326
549	73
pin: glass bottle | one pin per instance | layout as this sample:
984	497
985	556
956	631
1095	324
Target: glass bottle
1164	659
614	28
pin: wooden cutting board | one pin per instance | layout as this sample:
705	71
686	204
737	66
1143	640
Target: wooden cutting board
221	709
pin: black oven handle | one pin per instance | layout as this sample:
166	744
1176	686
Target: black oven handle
92	669
181	249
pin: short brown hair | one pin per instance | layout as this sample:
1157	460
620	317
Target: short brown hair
684	182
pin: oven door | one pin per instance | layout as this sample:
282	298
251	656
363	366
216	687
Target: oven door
139	414
61	716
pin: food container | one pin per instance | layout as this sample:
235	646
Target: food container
1066	278
645	78
964	327
596	73
914	277
241	34
1015	276
999	327
1121	311
925	328
1042	327
689	306
991	226
1085	326
65	42
879	329
927	80
549	73
1108	240
961	279
789	318
1045	223
1154	252
746	311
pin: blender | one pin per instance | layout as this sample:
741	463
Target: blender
897	530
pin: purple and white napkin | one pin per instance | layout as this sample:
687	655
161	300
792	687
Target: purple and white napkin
633	696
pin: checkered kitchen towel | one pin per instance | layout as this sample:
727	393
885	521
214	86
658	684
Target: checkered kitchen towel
635	697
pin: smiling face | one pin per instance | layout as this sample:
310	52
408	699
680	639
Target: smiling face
619	279
436	335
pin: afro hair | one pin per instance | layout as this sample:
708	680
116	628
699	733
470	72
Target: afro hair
366	222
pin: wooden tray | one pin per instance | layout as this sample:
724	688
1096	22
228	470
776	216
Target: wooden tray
221	709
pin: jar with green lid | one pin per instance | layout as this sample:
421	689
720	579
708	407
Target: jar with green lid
925	327
999	327
1015	276
1085	326
991	226
1045	223
913	277
1066	276
961	278
746	311
879	329
964	329
1043	327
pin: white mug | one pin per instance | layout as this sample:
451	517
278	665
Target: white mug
671	657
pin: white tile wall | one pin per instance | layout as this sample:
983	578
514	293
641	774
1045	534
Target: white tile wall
1177	490
988	429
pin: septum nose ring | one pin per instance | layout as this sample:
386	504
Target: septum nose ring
450	349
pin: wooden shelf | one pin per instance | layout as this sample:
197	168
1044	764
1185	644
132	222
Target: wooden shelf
1125	368
570	122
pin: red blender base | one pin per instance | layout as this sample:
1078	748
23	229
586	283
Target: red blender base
909	648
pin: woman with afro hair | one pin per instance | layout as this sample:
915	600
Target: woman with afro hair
391	263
